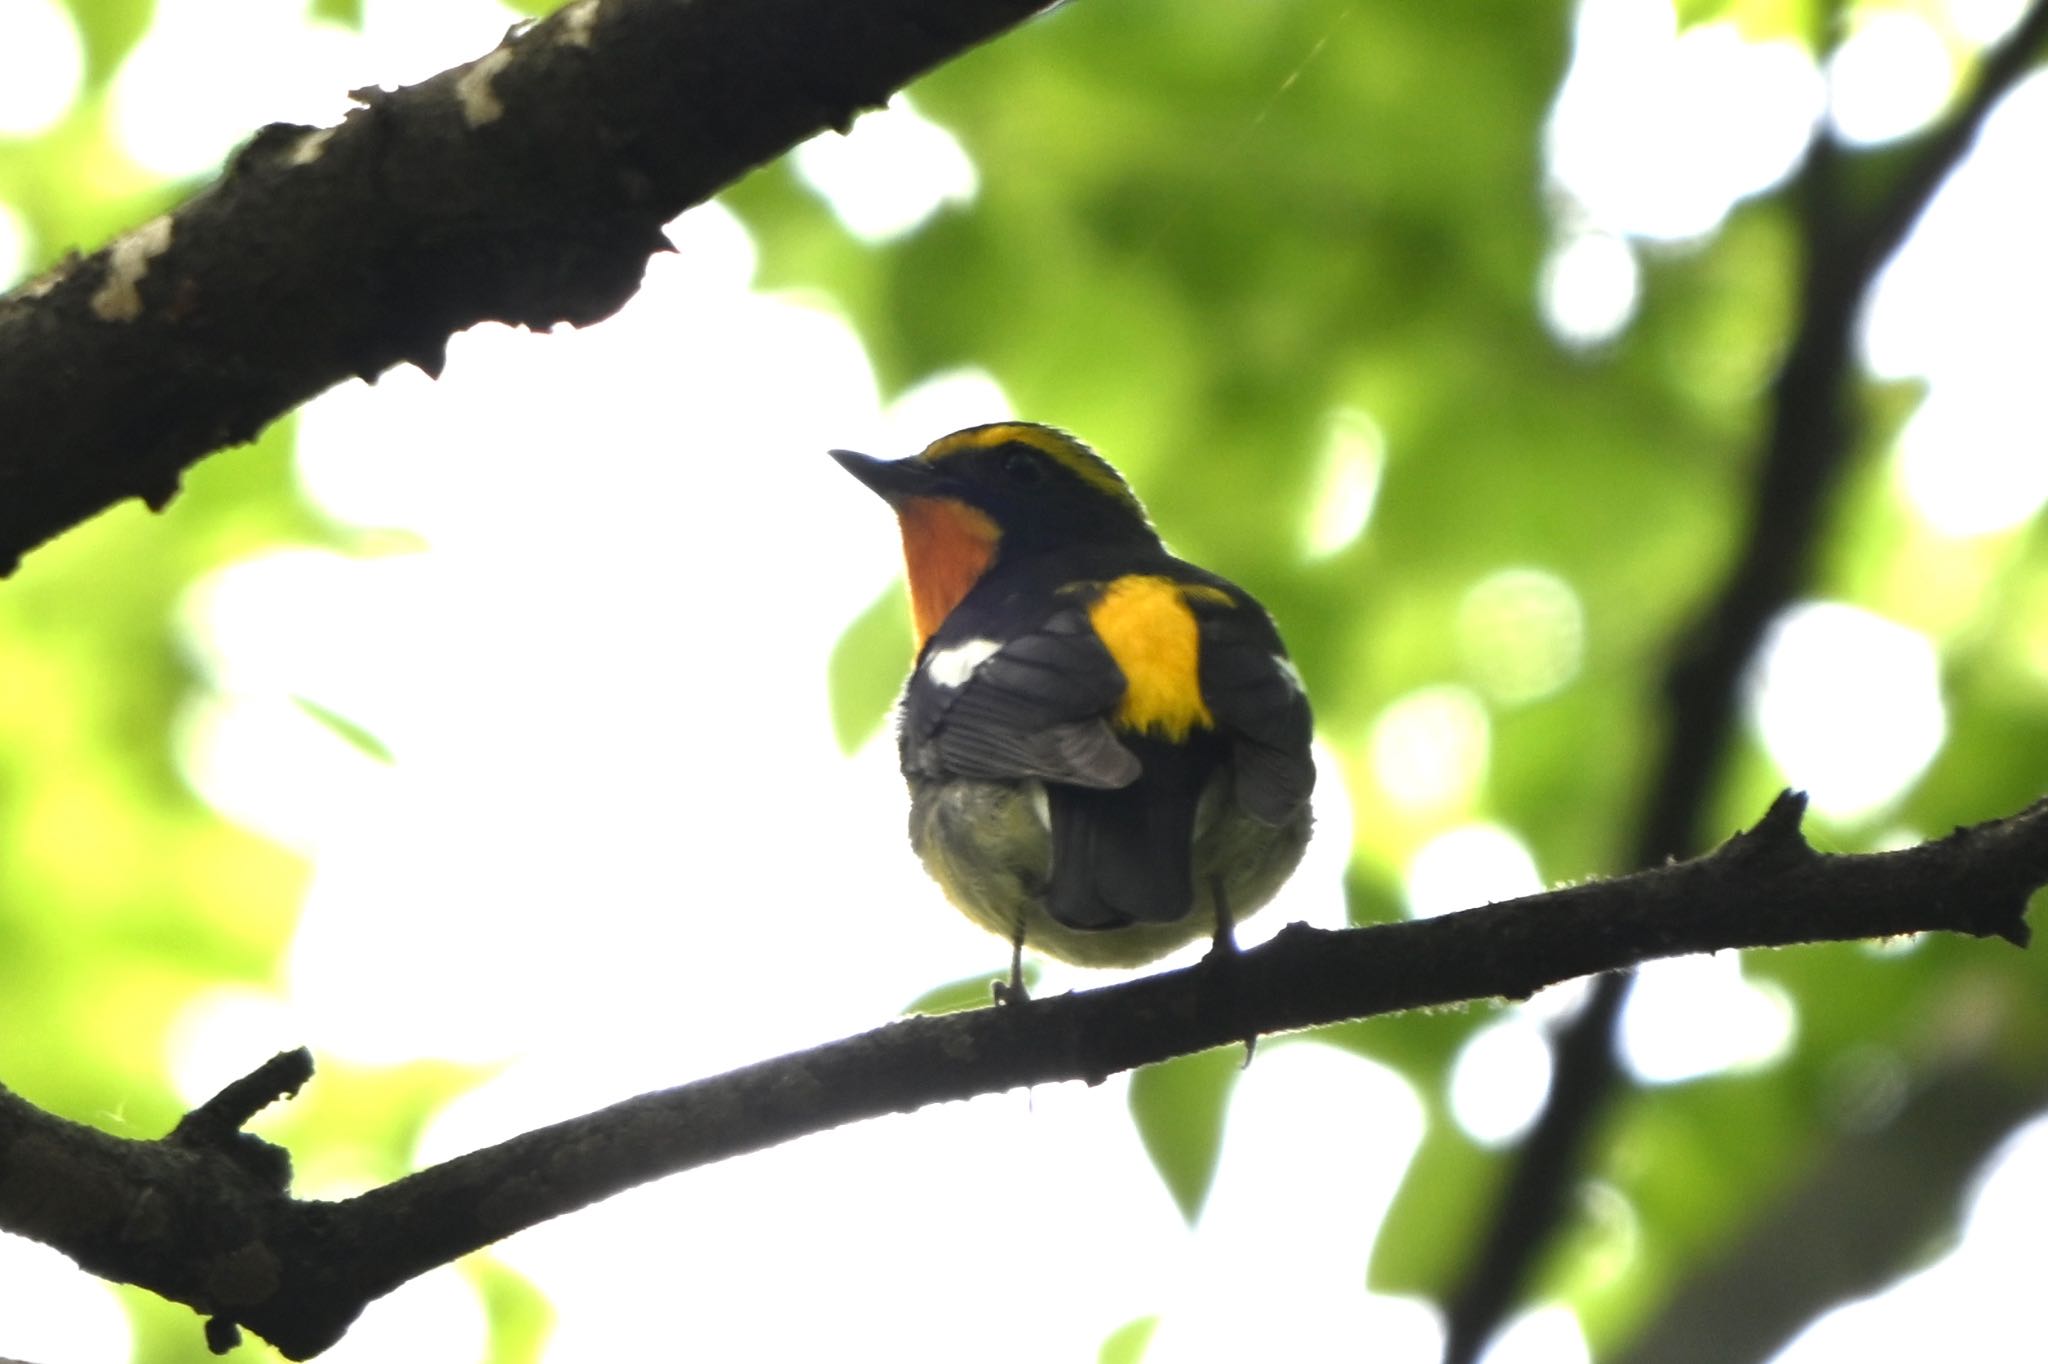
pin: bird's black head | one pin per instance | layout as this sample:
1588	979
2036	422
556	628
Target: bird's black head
1041	488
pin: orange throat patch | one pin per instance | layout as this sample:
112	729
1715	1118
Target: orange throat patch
947	546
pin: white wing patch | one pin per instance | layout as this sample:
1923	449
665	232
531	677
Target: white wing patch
952	667
1291	673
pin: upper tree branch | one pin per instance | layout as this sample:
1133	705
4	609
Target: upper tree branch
1804	453
195	1218
526	187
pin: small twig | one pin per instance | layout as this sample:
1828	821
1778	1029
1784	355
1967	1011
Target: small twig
226	1113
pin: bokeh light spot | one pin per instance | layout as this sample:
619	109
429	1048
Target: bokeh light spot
1849	706
1313	1151
41	65
214	1035
1662	1040
1474	865
1889	77
438	1316
1964	305
894	169
1500	1079
1348	483
1546	1335
1589	287
1522	632
1967	475
948	401
184	98
1428	749
56	1312
1984	22
1658	132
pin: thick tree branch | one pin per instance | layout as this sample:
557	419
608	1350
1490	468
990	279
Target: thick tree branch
196	1218
1805	453
527	187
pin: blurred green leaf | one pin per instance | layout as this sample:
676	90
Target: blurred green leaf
109	29
1179	1107
867	668
1426	1236
521	1316
348	12
1127	1343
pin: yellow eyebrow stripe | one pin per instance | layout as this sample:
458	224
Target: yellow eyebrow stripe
1054	445
988	438
1149	629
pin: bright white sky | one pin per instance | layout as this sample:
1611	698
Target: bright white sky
582	801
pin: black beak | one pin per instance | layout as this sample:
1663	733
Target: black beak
892	479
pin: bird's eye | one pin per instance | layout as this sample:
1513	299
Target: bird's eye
1023	471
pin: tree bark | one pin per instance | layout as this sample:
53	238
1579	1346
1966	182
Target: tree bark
527	187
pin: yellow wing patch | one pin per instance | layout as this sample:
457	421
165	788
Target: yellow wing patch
1150	631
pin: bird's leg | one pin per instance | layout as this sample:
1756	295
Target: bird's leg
1012	990
1225	941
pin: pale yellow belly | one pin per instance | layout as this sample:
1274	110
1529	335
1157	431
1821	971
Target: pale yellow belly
989	848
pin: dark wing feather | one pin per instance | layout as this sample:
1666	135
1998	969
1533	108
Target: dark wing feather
1037	707
1258	701
1124	857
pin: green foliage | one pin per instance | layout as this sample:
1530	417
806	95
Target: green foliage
159	899
349	12
109	29
1179	1106
1212	240
520	1315
1127	1344
864	668
1424	1237
125	901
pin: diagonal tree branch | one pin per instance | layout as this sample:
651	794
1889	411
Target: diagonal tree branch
204	1215
527	187
1805	453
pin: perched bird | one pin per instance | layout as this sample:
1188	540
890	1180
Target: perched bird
1107	747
